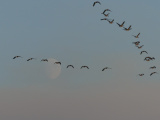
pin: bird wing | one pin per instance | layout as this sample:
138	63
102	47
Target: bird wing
123	22
103	69
151	74
118	24
94	4
98	2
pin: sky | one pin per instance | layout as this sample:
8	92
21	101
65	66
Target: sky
70	31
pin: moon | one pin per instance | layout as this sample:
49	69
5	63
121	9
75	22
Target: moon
52	70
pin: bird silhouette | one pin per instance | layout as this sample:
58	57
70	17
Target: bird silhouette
154	67
139	47
104	19
70	66
44	60
136	43
143	52
127	29
58	63
136	36
153	73
110	21
105	68
121	25
141	74
149	58
96	2
30	59
16	57
85	67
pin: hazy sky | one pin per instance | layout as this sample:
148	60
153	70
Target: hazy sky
71	31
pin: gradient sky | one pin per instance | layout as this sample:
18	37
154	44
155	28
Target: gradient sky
71	32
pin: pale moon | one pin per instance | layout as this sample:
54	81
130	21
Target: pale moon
53	70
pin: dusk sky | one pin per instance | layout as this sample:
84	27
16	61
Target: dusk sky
70	31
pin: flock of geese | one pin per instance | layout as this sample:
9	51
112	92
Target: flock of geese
58	63
137	43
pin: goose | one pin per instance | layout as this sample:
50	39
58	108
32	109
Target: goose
58	63
105	68
17	57
153	73
136	36
96	2
70	66
149	58
141	74
136	43
139	47
30	59
121	25
143	52
44	60
85	67
110	21
154	67
104	19
127	29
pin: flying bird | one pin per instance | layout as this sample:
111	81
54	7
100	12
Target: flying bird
70	66
127	29
16	57
104	19
149	58
58	63
30	59
105	68
154	67
136	36
141	74
136	43
143	52
85	67
96	2
153	73
139	47
44	60
121	25
106	10
110	21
